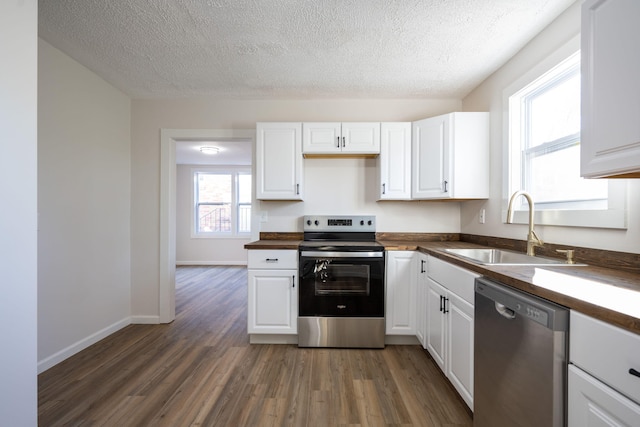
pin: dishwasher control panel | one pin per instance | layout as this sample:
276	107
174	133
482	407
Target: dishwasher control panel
511	303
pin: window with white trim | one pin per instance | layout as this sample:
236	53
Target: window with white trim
222	202
544	154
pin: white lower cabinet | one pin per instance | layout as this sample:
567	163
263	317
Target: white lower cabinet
450	323
272	292
421	299
604	377
460	347
594	404
436	332
400	304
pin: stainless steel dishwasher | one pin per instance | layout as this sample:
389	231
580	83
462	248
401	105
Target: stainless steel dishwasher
520	367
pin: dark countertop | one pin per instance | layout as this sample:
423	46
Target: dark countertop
604	293
273	244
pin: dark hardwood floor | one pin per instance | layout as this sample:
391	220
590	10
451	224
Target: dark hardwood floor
201	371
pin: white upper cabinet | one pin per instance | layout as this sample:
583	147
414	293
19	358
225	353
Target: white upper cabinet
279	161
394	162
451	157
336	138
610	139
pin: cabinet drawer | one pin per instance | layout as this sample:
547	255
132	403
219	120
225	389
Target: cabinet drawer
273	258
456	279
606	352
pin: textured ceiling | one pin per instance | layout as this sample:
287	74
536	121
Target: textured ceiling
294	48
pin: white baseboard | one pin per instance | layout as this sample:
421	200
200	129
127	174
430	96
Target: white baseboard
145	320
401	340
187	263
78	346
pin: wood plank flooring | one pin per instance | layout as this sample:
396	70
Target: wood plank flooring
201	371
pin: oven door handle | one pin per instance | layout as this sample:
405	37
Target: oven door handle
329	254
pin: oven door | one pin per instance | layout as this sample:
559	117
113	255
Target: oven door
346	284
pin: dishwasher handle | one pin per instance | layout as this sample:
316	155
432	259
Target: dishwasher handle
504	311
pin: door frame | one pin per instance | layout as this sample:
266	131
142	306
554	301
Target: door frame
167	254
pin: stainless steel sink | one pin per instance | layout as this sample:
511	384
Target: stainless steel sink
491	256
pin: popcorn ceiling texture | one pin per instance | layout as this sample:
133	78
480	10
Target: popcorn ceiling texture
265	49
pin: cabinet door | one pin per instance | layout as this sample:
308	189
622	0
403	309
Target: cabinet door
421	300
610	140
460	346
436	324
593	404
322	138
272	302
361	138
400	304
430	169
279	161
394	162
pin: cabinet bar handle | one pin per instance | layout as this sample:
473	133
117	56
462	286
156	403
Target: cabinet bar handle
446	300
293	280
384	188
634	372
422	266
441	300
445	187
343	142
337	142
297	188
271	259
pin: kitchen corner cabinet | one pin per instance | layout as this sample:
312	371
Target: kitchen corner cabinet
604	385
400	306
333	138
279	161
451	157
394	161
610	135
421	299
450	323
272	292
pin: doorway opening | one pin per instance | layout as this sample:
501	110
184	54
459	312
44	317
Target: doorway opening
170	139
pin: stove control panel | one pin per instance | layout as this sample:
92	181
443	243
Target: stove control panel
349	223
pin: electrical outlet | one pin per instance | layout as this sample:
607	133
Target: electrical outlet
264	216
481	216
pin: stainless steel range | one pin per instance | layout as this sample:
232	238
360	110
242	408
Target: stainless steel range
341	283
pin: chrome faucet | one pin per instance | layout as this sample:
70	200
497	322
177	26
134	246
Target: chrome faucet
532	238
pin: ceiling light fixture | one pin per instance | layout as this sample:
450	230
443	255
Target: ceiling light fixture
209	150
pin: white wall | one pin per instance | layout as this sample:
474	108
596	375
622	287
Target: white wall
84	206
325	188
488	97
201	251
18	212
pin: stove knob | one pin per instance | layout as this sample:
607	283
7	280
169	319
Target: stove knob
370	222
308	222
361	222
316	222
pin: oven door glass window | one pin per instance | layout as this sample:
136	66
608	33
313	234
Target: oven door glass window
341	279
341	286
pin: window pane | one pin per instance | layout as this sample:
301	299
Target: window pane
222	202
214	188
244	218
214	218
244	188
556	177
555	112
